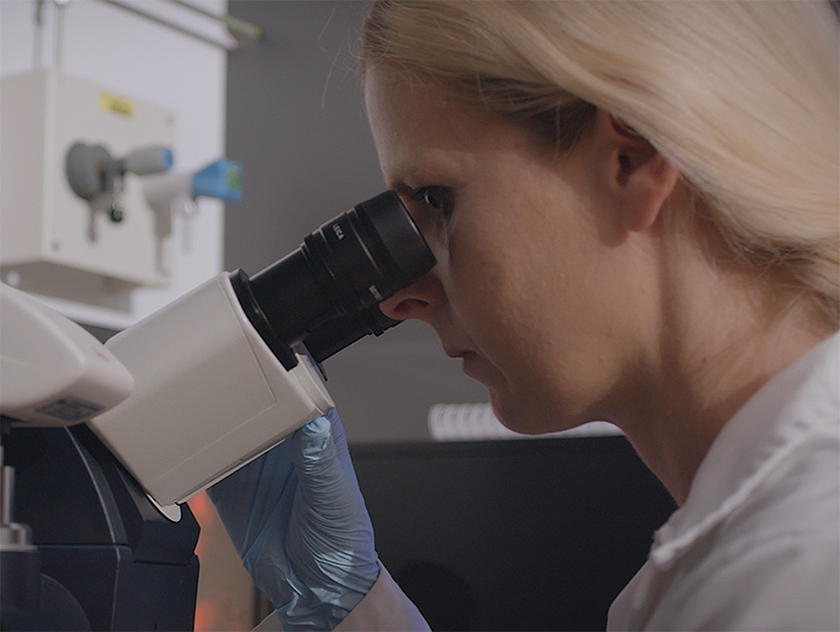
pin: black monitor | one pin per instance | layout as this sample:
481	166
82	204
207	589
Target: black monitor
512	535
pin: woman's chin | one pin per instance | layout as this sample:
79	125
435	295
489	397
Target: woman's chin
527	418
514	417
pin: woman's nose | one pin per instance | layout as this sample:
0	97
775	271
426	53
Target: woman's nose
418	300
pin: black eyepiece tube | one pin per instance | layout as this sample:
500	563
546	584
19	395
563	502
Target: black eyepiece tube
335	335
329	289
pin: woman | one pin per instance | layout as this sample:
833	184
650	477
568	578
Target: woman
634	209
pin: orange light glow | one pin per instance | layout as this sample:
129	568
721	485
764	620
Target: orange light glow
205	616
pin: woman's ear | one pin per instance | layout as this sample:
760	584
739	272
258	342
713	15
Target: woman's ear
642	179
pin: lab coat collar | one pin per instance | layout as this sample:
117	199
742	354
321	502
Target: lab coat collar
801	401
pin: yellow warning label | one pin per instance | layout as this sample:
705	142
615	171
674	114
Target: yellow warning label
114	103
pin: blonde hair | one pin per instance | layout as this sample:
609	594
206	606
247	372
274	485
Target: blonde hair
741	96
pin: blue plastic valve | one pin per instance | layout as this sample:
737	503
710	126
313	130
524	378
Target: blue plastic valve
221	179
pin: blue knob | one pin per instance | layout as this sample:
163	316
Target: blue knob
221	179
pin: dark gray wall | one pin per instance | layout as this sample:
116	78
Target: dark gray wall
296	122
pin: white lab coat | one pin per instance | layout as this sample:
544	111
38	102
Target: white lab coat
756	546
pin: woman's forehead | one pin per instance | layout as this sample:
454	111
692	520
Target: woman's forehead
414	119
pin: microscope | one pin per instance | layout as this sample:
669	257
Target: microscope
103	444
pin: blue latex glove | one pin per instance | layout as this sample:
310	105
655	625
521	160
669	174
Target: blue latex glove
299	523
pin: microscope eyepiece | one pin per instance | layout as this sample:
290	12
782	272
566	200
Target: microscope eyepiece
326	293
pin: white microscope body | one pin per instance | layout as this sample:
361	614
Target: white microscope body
209	395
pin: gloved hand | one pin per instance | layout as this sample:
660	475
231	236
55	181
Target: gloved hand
299	523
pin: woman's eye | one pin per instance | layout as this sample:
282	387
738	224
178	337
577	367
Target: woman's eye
431	199
436	198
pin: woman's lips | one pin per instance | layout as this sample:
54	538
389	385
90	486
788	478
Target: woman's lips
468	364
467	357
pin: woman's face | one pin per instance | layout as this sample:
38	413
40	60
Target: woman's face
527	289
